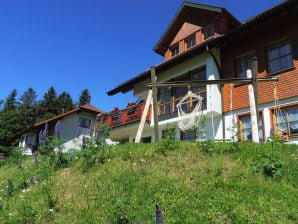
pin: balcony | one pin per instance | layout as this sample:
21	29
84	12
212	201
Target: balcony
129	115
168	109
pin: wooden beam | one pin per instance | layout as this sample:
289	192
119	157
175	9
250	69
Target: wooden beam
255	83
144	116
155	105
210	82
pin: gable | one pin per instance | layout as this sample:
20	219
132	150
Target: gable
192	16
186	30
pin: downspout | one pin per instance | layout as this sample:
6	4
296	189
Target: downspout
221	90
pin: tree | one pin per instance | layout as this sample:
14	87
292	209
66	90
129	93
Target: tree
1	104
48	107
11	102
29	98
65	102
28	108
84	98
10	127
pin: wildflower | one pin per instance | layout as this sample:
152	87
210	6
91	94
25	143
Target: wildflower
51	210
142	160
40	138
57	129
45	131
134	164
158	215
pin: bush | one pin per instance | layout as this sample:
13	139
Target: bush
165	145
51	144
270	165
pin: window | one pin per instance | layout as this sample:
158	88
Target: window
209	32
199	74
30	140
190	42
245	128
188	136
164	100
243	64
287	121
174	50
84	123
280	57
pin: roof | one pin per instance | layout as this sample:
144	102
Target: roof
87	107
180	58
180	18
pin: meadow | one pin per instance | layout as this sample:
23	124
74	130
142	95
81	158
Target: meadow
191	182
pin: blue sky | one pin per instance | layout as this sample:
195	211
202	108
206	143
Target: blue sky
95	44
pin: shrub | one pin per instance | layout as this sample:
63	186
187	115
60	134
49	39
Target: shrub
270	165
51	144
166	145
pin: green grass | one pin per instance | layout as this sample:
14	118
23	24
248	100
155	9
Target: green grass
193	183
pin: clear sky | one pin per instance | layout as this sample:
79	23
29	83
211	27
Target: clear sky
94	44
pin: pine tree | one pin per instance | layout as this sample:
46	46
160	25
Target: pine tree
48	107
65	102
28	108
11	102
84	98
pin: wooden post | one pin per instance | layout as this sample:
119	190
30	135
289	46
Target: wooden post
143	118
253	110
155	106
255	83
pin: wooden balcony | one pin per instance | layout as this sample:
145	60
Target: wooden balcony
168	109
129	115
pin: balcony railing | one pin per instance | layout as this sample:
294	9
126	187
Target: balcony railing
168	109
129	115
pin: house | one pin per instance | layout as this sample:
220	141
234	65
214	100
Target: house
74	125
204	42
271	37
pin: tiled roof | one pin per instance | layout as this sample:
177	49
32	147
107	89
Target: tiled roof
87	107
92	108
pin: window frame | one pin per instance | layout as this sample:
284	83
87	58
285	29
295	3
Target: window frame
190	41
245	59
278	47
240	125
208	32
84	126
288	131
188	136
174	50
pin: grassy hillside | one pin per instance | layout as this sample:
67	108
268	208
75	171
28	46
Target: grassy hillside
191	182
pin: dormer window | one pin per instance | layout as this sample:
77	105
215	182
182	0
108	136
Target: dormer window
208	32
174	50
190	42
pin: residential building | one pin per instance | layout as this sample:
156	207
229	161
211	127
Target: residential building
74	125
204	42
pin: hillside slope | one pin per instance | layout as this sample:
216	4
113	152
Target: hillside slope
191	182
